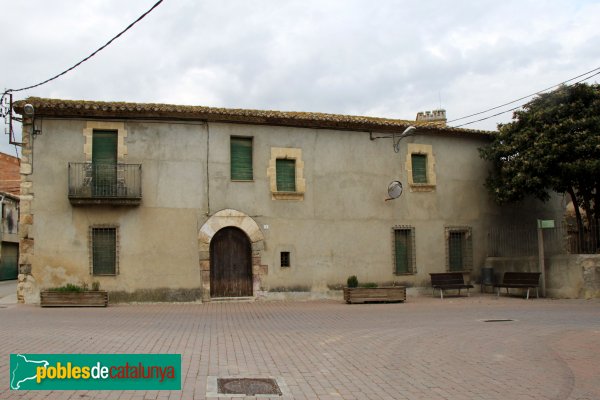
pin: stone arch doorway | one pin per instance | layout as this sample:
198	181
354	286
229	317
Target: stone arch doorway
209	231
230	264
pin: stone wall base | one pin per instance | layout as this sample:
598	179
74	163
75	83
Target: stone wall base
156	295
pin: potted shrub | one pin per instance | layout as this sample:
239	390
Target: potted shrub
371	292
71	295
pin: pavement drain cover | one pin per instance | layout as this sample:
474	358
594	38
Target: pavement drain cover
248	386
498	320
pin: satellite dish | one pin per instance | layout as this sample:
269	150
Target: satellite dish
394	190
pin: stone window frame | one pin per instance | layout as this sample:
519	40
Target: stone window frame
426	150
468	250
413	257
88	134
91	246
286	153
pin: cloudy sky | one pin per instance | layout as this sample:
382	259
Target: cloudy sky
365	57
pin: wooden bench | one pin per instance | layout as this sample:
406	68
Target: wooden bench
448	280
520	280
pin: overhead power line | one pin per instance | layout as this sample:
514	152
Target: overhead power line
523	98
91	55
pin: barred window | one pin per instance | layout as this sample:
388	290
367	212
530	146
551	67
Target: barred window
459	249
404	250
104	255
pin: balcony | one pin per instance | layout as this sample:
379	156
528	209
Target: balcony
105	184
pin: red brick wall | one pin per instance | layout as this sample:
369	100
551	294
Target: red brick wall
10	175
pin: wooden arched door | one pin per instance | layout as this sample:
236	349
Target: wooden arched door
230	264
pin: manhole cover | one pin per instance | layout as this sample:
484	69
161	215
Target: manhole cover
498	320
248	386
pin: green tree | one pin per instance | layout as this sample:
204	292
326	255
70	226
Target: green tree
552	144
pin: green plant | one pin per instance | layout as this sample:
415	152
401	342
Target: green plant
85	286
368	285
352	281
69	287
95	286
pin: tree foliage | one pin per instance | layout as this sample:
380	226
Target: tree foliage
552	144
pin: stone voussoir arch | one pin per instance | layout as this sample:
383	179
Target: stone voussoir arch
230	218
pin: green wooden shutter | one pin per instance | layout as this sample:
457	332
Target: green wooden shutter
286	175
104	163
419	168
104	147
104	251
241	159
455	251
402	244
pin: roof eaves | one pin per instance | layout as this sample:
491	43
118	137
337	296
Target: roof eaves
97	109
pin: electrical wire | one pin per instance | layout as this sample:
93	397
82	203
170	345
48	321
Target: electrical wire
90	56
525	97
521	105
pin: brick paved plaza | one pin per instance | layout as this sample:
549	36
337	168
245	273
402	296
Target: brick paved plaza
423	349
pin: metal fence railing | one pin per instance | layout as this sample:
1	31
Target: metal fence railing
94	180
519	241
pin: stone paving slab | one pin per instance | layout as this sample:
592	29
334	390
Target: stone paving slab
425	348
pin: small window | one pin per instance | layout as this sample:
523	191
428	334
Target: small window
241	159
285	171
419	168
404	250
459	249
285	258
104	250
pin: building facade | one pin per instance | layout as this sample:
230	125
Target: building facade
164	202
9	236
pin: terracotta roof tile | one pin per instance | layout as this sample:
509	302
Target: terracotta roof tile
99	109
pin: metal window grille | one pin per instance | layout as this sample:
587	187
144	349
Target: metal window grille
285	258
459	249
104	254
404	250
241	158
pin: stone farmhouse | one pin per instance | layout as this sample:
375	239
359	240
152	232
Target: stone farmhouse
180	203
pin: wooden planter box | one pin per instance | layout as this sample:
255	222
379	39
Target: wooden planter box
89	298
363	295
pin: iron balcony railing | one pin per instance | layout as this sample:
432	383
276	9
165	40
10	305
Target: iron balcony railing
105	183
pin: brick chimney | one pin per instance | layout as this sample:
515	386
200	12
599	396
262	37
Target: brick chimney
438	116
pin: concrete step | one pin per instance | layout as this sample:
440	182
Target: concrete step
248	299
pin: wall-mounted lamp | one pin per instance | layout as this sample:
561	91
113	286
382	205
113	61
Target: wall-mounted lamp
411	130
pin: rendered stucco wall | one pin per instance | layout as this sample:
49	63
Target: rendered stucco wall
568	276
157	241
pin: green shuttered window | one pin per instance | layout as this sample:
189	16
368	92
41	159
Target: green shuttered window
459	249
241	159
104	163
404	251
104	251
419	168
455	251
286	175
